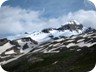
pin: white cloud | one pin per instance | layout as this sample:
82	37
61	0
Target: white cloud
87	18
16	20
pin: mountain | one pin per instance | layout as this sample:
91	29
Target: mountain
50	50
70	28
23	43
70	54
72	25
89	29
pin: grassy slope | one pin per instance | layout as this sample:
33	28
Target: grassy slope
67	61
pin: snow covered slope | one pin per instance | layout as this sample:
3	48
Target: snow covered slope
20	47
68	35
69	28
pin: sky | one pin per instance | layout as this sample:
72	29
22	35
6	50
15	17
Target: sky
19	16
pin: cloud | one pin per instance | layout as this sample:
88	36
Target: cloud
17	20
87	18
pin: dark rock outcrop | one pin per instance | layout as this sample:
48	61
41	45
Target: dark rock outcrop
3	41
71	25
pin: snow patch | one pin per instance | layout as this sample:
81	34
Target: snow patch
10	52
70	45
5	47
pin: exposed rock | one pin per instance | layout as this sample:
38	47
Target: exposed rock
29	39
71	25
3	41
25	46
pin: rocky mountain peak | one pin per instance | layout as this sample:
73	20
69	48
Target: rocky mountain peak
73	22
72	25
89	29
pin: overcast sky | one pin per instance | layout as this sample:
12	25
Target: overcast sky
17	16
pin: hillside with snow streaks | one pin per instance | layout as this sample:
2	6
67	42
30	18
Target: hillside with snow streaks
72	37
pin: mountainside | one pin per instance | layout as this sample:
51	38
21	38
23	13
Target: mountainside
70	28
25	42
69	48
70	54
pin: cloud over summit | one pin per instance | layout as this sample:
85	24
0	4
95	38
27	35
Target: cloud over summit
17	20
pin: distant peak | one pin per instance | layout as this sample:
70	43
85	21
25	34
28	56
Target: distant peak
73	22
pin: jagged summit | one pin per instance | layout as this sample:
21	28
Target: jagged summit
72	25
73	22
